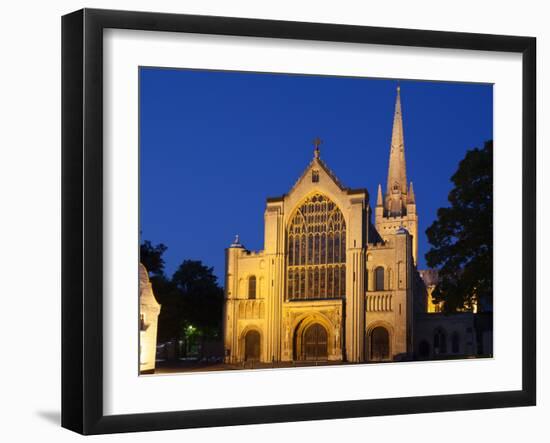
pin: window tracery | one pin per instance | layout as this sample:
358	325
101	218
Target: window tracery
316	251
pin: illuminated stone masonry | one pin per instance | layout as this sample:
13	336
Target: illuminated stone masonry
149	310
329	284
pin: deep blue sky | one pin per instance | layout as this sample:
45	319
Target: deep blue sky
214	145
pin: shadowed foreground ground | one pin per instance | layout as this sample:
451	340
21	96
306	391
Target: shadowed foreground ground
175	366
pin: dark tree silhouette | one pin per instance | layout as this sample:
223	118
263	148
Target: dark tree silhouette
151	257
462	236
202	297
166	293
170	321
191	298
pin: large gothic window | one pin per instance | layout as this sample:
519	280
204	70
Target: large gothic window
316	251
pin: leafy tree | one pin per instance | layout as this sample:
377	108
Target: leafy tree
202	297
462	236
151	257
170	321
166	293
191	301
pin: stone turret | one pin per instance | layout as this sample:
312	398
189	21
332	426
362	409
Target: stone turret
411	201
379	210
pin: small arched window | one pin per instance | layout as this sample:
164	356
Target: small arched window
252	287
379	278
455	343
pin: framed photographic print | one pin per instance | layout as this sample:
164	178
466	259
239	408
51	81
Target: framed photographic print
269	221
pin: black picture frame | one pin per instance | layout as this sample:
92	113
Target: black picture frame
82	218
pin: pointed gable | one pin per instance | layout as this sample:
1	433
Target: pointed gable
317	165
317	178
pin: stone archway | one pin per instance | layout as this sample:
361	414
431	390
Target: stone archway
315	343
322	334
379	344
252	343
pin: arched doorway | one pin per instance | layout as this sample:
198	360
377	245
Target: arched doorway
315	343
252	346
440	341
424	349
455	343
379	344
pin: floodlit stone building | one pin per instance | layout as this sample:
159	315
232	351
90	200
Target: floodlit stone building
149	310
336	280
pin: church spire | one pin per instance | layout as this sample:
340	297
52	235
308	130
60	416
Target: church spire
396	190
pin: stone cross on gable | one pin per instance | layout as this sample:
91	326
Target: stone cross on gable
317	142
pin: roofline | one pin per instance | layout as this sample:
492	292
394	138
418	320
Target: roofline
358	191
275	199
348	191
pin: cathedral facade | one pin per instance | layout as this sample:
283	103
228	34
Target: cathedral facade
336	281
